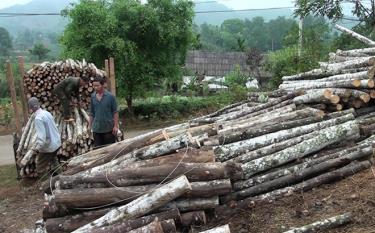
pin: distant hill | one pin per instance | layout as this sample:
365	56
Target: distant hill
57	23
40	23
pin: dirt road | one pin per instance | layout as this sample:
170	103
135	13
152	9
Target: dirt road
6	145
6	150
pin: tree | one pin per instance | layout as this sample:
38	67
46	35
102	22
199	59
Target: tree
5	42
148	41
364	10
40	51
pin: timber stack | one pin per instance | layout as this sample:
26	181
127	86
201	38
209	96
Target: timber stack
76	137
243	155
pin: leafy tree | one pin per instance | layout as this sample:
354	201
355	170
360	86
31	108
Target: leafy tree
5	42
40	51
148	41
364	10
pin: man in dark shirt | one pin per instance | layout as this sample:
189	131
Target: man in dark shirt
104	114
64	90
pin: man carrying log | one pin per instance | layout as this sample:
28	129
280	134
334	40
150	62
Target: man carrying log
104	114
48	139
64	90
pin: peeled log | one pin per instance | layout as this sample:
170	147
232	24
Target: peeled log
143	205
232	150
128	225
324	224
326	137
221	229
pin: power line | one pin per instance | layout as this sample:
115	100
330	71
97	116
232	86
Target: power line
250	9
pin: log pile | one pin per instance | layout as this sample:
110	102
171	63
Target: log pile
76	136
237	155
346	81
240	156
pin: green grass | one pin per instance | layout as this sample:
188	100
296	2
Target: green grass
8	176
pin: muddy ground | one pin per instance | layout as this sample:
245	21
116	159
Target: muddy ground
21	206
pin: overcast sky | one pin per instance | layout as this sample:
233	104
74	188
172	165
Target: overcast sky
235	4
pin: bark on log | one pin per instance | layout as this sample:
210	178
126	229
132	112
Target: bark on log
232	150
328	177
146	175
297	176
308	162
324	224
320	73
195	218
128	225
326	137
241	135
94	197
143	204
148	152
193	204
221	229
72	222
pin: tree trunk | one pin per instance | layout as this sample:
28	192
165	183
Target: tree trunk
93	197
326	137
146	175
143	205
297	176
154	227
308	162
324	224
340	173
194	204
232	150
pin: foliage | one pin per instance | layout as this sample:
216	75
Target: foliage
177	107
236	77
335	9
5	42
239	35
287	62
40	51
316	43
148	41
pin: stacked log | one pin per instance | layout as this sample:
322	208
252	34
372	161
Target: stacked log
75	136
239	156
346	81
239	153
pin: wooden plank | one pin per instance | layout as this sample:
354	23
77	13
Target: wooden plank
112	75
25	111
13	96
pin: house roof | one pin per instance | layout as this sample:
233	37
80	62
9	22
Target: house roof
215	63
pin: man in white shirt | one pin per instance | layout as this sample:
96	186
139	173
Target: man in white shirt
48	139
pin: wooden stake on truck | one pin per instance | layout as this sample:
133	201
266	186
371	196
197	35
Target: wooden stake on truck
112	75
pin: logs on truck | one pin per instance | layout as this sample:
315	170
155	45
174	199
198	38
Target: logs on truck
240	156
76	136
